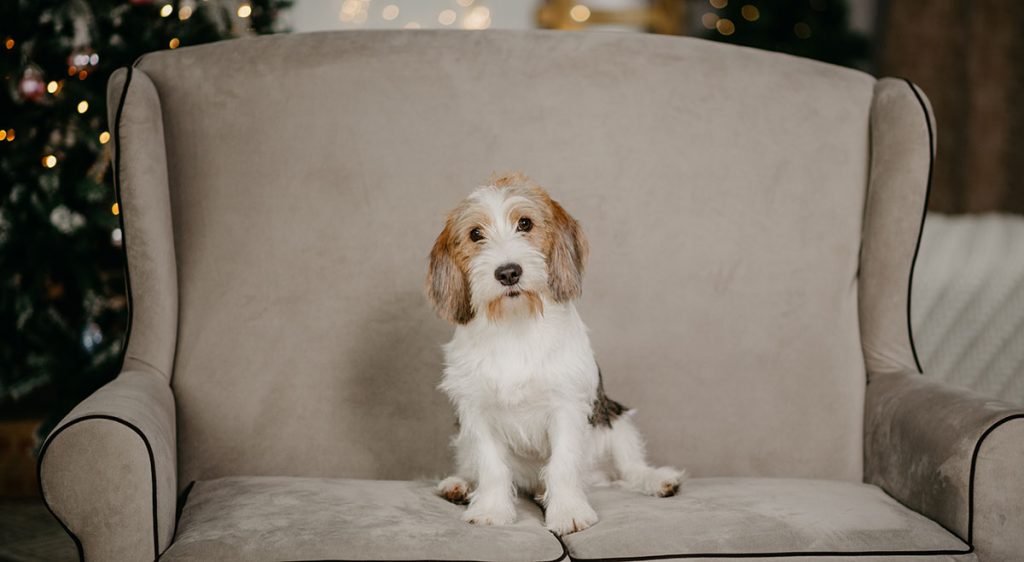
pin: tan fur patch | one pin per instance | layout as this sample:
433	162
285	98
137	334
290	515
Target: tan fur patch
495	310
447	283
567	255
507	179
501	307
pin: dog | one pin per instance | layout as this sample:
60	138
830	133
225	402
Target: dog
530	404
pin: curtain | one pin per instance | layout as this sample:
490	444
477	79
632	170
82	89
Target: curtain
968	57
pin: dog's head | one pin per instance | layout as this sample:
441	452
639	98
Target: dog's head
504	250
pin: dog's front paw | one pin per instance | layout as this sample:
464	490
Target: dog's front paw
454	489
564	517
490	511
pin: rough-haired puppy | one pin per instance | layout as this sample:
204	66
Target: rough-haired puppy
530	402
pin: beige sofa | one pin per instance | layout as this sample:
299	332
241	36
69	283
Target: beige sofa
754	220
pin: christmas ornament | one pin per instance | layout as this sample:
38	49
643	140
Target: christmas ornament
92	336
31	87
66	220
83	58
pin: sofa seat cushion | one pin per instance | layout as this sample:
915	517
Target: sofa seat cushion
771	517
283	518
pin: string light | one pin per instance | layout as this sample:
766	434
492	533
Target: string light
49	161
478	18
802	30
579	13
83	106
9	43
52	87
244	11
104	137
389	12
750	12
184	13
412	25
166	10
10	135
464	3
447	17
725	26
82	74
3	134
174	42
709	19
354	11
719	3
115	209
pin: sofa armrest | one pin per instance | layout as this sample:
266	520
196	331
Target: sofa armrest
950	454
108	470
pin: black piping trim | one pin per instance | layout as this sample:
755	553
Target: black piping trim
124	345
777	555
152	476
924	214
39	481
974	466
121	213
563	556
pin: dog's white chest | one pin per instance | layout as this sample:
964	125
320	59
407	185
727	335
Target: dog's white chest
517	376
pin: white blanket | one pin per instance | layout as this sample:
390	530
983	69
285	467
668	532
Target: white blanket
967	305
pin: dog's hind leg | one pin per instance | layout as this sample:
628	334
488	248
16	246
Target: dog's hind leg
626	448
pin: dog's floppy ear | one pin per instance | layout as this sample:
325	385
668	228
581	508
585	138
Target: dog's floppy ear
447	286
567	256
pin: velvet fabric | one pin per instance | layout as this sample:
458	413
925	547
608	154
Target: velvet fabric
99	467
750	255
902	144
750	516
310	173
951	455
140	162
279	518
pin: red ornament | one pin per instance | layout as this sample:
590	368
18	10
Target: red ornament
31	86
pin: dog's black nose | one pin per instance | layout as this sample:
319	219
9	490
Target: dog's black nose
508	274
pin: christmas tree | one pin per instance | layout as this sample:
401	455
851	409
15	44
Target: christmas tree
817	29
62	308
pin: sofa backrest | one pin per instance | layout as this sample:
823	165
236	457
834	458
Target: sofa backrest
723	191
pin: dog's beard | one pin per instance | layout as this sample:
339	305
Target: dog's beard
515	303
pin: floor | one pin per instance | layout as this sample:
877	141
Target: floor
29	533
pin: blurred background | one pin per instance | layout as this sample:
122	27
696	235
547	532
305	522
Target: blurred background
62	307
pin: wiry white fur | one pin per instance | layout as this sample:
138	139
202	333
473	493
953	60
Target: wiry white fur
523	387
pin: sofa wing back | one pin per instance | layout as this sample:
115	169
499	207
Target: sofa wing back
723	191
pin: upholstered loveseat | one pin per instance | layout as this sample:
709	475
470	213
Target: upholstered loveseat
754	220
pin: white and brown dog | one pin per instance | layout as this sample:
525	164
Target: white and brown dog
528	394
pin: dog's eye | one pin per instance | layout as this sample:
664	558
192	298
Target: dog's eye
525	225
475	235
